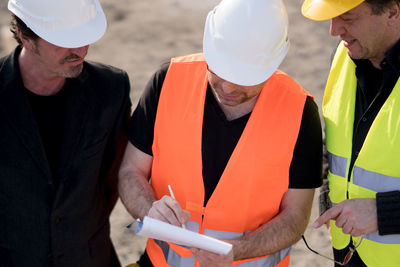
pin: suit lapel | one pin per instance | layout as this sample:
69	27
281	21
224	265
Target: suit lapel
14	104
77	111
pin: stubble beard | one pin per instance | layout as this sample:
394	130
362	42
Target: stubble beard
73	72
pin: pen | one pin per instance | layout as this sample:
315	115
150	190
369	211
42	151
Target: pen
170	192
173	197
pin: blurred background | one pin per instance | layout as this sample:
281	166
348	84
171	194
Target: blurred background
143	34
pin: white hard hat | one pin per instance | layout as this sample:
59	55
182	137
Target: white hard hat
246	40
65	23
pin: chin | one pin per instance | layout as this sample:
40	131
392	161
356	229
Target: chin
73	72
229	103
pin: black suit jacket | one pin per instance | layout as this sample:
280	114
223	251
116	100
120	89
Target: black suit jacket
41	225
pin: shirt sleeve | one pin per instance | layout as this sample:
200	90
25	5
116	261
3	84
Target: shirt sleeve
388	209
140	130
306	166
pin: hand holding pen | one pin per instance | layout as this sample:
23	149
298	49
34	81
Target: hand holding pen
173	197
167	209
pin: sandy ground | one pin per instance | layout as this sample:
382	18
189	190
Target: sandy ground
143	34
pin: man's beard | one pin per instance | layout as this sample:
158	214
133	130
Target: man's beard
73	72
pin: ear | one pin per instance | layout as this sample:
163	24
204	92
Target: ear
393	13
26	42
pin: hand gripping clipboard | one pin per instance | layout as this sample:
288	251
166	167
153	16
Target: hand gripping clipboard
159	230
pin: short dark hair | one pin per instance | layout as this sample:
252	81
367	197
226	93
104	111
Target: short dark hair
380	6
17	23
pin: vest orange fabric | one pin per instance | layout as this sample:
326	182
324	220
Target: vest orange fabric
257	174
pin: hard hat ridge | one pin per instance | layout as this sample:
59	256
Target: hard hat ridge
65	23
246	40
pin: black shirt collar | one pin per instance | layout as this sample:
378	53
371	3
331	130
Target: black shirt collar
392	57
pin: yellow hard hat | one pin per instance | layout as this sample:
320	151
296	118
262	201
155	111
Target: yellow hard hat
327	9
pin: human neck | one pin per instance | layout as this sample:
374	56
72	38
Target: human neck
391	41
376	62
234	112
35	79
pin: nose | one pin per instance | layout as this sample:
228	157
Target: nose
336	27
80	51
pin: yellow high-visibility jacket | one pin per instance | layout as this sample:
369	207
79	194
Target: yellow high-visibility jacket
377	167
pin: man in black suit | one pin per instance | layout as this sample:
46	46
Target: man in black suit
61	139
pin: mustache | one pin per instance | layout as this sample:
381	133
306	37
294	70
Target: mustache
70	57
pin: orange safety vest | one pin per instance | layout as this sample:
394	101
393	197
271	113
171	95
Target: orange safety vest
256	177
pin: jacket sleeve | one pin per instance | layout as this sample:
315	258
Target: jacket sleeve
116	145
388	209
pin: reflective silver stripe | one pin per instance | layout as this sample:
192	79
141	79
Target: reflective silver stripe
379	183
270	261
375	181
383	239
177	261
192	226
173	258
337	165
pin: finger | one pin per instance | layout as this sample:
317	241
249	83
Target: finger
204	255
186	215
347	228
330	214
341	220
194	251
327	225
164	214
355	233
181	215
162	209
197	253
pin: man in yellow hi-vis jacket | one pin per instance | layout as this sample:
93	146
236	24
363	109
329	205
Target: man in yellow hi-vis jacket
362	118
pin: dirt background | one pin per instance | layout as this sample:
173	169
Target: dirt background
143	34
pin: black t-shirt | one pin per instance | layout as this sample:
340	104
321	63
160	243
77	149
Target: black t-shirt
49	112
220	137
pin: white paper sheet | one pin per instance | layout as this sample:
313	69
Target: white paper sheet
170	233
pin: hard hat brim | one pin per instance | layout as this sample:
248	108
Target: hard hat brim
327	9
73	37
233	70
